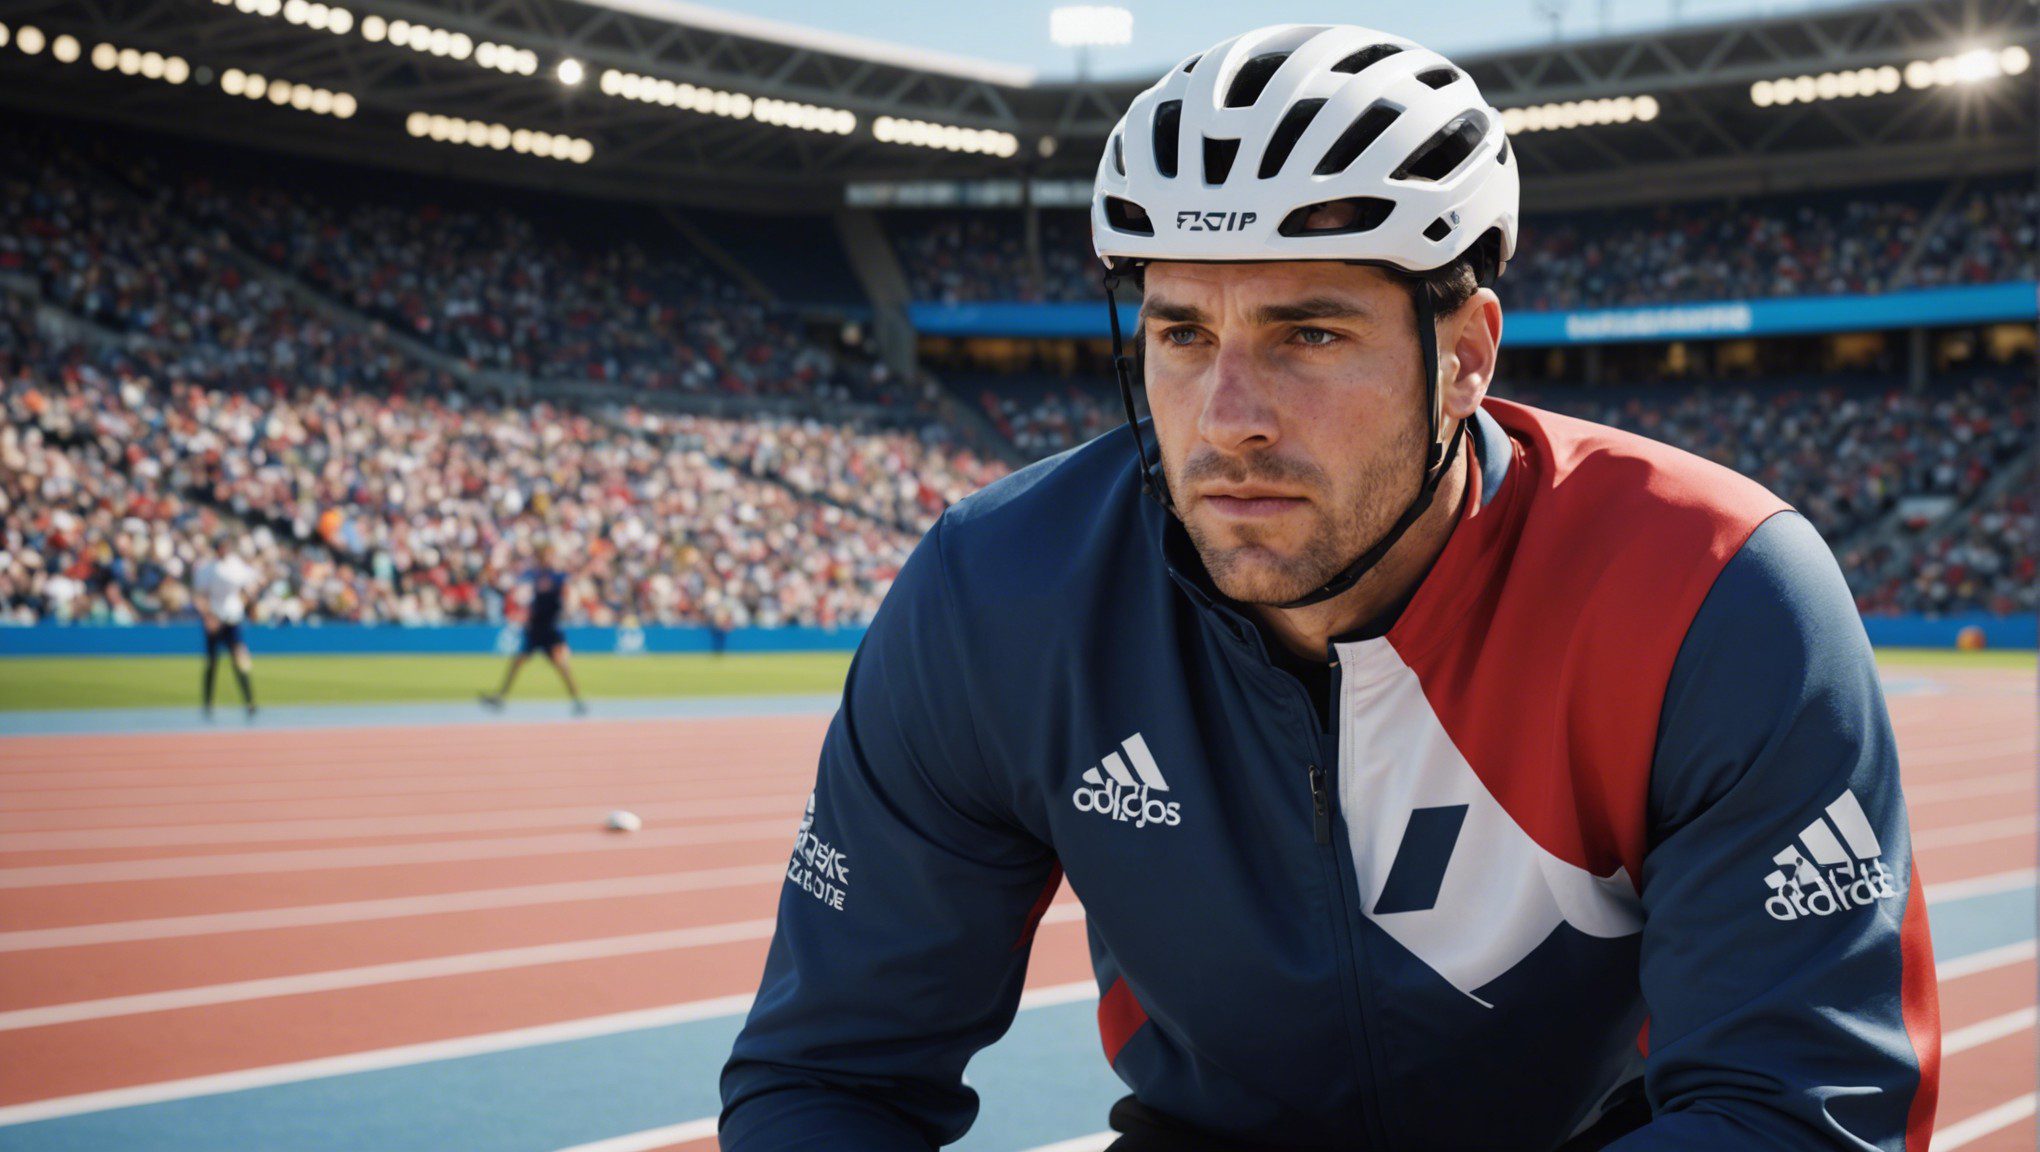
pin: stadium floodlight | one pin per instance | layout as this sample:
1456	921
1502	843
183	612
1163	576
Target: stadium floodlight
65	49
570	72
1580	114
29	39
498	137
1090	26
1975	66
1827	86
946	137
1084	27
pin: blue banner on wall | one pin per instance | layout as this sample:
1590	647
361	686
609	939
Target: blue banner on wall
1715	320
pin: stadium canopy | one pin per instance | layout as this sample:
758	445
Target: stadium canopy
663	100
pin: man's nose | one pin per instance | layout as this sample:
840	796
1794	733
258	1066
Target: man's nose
1237	414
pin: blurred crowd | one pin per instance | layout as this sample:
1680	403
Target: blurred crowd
378	507
175	398
1810	245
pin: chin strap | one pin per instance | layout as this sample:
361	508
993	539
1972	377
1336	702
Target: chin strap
1438	454
1151	480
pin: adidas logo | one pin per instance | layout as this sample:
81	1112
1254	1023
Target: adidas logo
1834	873
1123	788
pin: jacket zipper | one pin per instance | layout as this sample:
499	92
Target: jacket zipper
1320	806
1337	872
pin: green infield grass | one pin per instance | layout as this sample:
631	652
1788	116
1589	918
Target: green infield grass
51	682
48	682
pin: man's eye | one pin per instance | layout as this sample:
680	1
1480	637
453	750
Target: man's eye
1316	337
1181	337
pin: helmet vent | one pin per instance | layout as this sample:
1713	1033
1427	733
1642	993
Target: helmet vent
1218	158
1365	129
1443	153
1192	62
1252	77
1365	57
1126	216
1439	229
1437	77
1286	134
1119	154
1168	115
1337	217
1502	157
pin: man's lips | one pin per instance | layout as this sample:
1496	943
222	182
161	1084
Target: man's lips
1250	502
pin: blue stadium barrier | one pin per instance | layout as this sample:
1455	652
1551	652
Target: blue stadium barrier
2017	631
1929	307
393	639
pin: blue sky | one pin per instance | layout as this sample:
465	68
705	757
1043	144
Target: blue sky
1164	31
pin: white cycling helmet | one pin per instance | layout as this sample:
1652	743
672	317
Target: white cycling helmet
1311	142
1224	157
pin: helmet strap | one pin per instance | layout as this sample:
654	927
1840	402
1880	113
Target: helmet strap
1122	368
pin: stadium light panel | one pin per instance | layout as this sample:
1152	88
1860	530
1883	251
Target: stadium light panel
497	137
1580	114
3	36
570	72
65	49
1090	26
946	137
29	39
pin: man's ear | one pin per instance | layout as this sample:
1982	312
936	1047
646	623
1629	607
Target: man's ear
1470	340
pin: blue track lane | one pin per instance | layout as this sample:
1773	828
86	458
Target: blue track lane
1045	1081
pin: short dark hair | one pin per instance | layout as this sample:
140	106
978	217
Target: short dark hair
1451	285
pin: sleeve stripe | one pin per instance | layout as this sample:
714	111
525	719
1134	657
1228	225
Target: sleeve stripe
1922	1010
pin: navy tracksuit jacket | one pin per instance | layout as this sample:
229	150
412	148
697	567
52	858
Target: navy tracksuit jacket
1610	816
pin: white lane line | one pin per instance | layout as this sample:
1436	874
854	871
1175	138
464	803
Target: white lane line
1987	885
418	824
380	1058
1996	784
1096	1142
352	911
374	856
1988	960
1976	833
1985	1031
651	1138
1965	1132
369	975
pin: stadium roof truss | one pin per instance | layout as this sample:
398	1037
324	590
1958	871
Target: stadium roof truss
1709	137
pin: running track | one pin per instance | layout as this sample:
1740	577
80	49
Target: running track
414	935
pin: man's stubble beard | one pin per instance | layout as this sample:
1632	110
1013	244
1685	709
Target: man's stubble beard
1247	571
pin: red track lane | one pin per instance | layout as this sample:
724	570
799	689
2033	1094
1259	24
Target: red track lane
136	900
474	799
92	1055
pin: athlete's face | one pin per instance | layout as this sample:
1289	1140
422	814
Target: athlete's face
1288	399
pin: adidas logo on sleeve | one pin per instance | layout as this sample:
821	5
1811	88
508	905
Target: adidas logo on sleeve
1834	873
1123	788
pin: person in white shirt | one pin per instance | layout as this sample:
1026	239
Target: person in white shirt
220	590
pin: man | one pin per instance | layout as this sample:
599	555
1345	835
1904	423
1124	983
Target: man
219	591
548	591
1436	773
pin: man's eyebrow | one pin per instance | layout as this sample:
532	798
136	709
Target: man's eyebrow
1294	312
1311	308
1170	312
